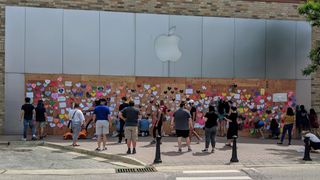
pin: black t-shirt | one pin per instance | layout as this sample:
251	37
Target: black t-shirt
122	106
28	111
193	110
40	114
212	119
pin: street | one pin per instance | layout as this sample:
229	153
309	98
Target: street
41	162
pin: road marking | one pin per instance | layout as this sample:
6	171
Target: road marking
214	178
211	171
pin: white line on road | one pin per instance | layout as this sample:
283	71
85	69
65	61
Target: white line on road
210	171
214	178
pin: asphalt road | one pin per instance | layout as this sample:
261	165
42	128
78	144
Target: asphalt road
33	163
310	172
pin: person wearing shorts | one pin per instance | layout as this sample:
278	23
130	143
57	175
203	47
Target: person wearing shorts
41	117
102	118
130	115
182	122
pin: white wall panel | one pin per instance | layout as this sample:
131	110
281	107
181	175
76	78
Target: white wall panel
250	48
280	51
303	47
189	29
81	42
14	39
148	28
117	43
218	45
43	40
14	98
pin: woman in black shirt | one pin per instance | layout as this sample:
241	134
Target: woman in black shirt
41	117
233	125
210	128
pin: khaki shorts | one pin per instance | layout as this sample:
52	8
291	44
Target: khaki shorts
41	124
102	127
131	133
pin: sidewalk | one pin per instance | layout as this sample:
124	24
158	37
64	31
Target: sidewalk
251	151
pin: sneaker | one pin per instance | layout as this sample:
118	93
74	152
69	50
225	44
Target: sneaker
180	150
97	149
279	143
205	150
189	149
23	139
104	149
94	138
33	138
289	143
153	142
129	151
134	151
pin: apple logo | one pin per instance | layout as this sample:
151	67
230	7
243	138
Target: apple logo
166	46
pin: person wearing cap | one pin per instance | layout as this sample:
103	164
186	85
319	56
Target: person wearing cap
130	114
182	122
102	119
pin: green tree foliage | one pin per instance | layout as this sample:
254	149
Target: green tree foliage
311	10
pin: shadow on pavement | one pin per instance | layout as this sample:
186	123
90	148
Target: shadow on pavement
173	153
201	154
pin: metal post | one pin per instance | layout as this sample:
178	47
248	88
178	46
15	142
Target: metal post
234	157
307	149
158	154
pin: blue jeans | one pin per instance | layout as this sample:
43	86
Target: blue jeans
76	128
287	127
29	123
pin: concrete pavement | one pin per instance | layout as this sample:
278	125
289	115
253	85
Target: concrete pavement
251	151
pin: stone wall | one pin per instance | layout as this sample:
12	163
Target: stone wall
268	9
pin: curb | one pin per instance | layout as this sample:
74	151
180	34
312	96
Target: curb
114	157
22	143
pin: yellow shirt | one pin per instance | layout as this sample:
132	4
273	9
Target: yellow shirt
289	119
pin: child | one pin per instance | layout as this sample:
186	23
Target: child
274	127
144	126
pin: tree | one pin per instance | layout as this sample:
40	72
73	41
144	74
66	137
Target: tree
311	10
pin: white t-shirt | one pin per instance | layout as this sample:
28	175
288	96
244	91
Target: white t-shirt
77	117
313	138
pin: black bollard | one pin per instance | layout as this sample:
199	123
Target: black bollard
307	149
234	157
158	155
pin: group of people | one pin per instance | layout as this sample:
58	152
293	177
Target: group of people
183	122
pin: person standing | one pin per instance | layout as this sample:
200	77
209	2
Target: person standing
156	124
41	118
210	129
77	121
182	122
122	122
314	122
102	119
130	114
233	125
288	125
193	113
27	115
304	118
222	122
298	122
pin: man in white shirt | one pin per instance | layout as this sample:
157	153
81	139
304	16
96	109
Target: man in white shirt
314	140
77	118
